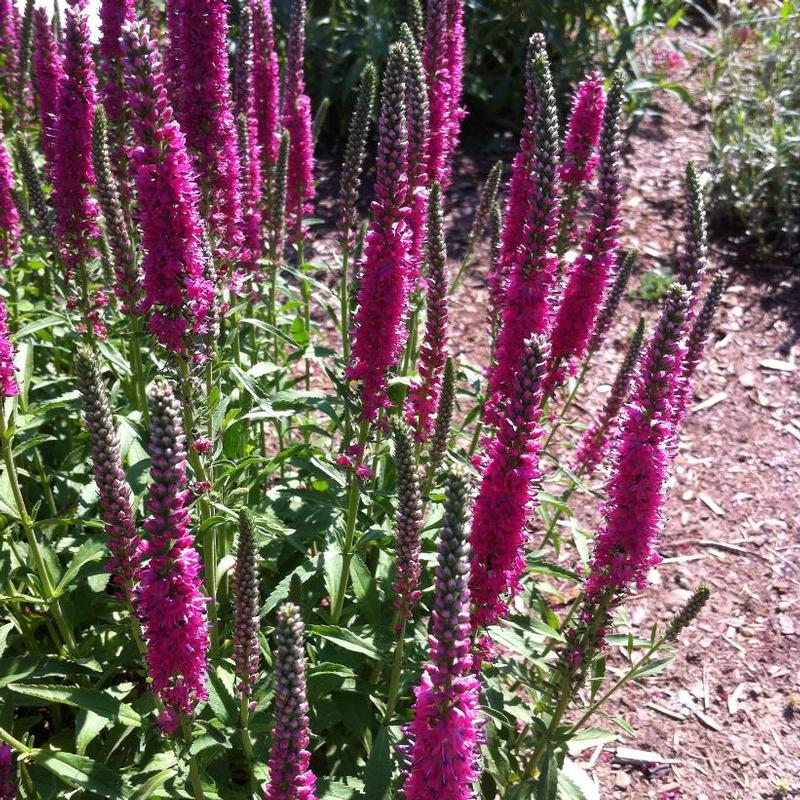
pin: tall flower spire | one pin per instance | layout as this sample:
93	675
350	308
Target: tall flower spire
380	330
289	775
115	496
423	396
206	117
418	117
8	378
296	115
520	188
506	495
583	133
73	175
266	83
625	546
168	599
113	15
599	434
9	48
9	216
694	262
246	649
249	139
445	733
527	308
48	74
409	524
597	259
443	57
175	285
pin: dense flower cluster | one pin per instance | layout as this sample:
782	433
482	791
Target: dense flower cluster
175	284
409	524
8	785
205	112
246	649
9	216
169	599
9	48
289	775
583	133
507	492
597	259
48	75
423	397
625	546
73	174
445	733
109	476
443	57
527	309
296	114
380	330
8	379
266	82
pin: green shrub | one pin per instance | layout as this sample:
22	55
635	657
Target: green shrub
755	126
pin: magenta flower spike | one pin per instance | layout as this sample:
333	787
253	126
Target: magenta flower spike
589	274
296	116
9	216
115	495
625	546
48	74
168	599
423	396
520	186
176	290
73	173
8	372
507	494
113	15
289	775
527	308
206	119
444	736
583	133
418	123
9	47
380	330
443	57
249	147
266	84
8	784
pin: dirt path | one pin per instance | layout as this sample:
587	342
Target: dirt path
722	713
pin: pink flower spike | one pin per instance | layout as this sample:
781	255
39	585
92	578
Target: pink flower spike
296	115
206	118
625	546
380	330
583	133
48	74
507	494
527	309
266	82
176	288
9	216
8	378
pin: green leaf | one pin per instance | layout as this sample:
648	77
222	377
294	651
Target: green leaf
81	772
89	551
37	325
347	639
333	568
87	726
91	699
4	631
145	791
36	667
547	783
378	773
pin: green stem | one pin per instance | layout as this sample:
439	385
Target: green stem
194	772
30	535
353	496
6	737
247	744
344	300
397	669
210	541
